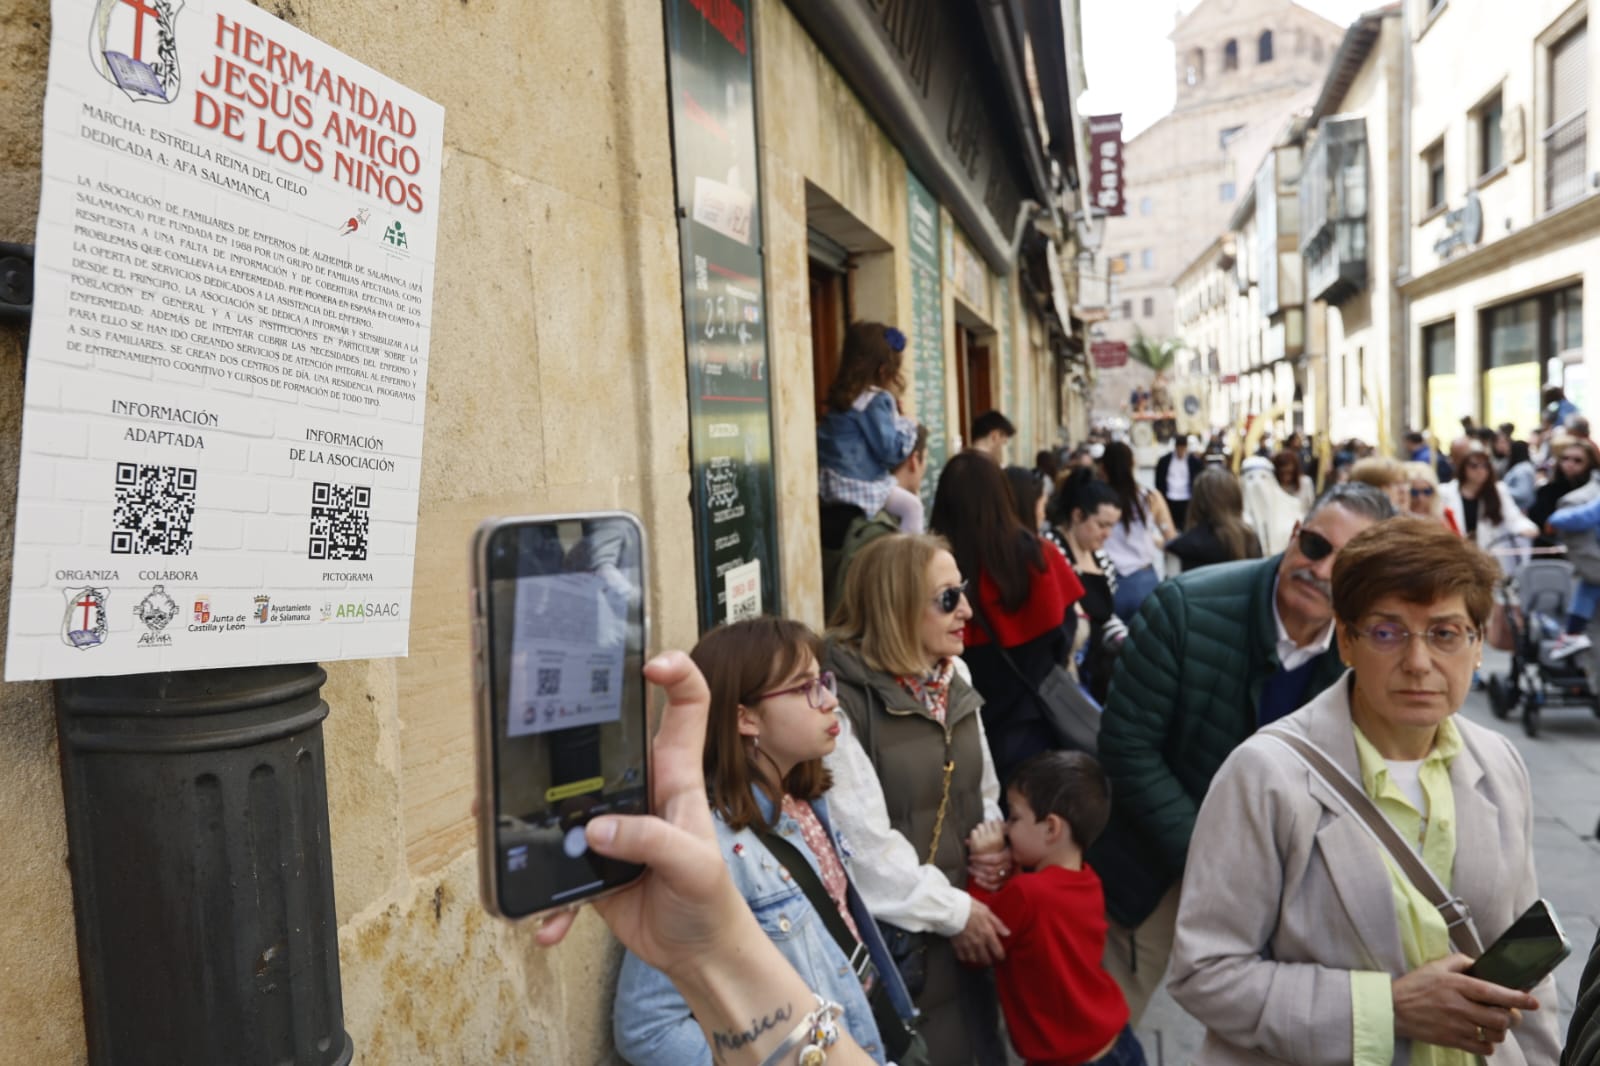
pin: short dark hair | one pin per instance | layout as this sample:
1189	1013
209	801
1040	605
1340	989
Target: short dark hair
1356	497
1414	437
1417	559
1069	784
990	421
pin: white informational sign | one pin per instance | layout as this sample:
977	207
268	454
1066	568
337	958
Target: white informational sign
568	641
222	429
742	586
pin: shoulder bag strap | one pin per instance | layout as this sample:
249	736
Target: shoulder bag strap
977	612
1457	915
800	869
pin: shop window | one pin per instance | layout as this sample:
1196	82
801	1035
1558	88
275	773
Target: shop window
1433	169
1491	151
1439	391
1264	47
1565	136
1230	55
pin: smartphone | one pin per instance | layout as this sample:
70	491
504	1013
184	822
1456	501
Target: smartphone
1526	953
560	624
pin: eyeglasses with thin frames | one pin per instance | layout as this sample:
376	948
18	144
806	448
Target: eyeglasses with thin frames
813	687
1392	637
949	598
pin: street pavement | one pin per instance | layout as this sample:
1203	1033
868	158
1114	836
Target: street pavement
1564	765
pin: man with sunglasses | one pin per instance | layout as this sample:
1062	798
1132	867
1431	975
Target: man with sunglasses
1212	656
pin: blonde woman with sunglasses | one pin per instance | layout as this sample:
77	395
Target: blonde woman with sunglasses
912	777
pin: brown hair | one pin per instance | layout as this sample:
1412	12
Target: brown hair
975	509
1070	785
1488	493
1417	559
866	360
880	606
1287	463
740	661
1218	502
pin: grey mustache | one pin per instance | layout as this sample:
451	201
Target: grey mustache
1324	587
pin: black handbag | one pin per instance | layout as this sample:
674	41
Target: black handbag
901	1041
910	953
1072	716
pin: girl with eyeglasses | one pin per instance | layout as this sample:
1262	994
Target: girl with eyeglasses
772	720
912	776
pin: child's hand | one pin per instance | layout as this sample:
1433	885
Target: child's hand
987	837
990	869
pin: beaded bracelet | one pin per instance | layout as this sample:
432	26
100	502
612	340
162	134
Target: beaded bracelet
816	1033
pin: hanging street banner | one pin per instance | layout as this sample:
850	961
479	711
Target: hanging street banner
711	79
1106	183
226	379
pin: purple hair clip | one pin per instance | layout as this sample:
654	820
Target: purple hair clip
896	339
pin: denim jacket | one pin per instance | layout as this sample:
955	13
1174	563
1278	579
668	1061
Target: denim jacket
868	441
651	1023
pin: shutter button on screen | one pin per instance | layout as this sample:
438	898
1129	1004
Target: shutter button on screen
575	844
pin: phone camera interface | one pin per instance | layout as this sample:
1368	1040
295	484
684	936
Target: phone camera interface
568	643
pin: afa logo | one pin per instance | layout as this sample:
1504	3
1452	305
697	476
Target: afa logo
133	44
84	625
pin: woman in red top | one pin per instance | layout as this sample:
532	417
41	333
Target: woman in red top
1024	588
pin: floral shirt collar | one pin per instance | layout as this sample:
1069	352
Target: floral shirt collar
932	690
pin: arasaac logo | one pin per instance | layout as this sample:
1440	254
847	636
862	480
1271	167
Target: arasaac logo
84	624
133	44
155	611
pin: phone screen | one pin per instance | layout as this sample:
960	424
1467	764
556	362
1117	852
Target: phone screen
565	633
1525	953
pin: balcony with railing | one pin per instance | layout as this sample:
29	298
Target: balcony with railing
1333	211
1566	163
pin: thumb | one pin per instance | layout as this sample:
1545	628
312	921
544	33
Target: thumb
643	838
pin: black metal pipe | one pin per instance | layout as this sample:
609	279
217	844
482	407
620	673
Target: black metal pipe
197	824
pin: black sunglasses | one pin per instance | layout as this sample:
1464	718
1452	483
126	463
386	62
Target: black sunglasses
949	598
1314	545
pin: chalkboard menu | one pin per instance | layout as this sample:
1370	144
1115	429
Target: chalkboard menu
712	85
927	328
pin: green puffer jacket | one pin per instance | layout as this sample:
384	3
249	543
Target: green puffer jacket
1184	695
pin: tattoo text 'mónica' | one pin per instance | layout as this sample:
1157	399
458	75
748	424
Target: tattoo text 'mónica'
733	1041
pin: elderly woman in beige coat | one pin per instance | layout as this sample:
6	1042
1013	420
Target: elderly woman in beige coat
1299	940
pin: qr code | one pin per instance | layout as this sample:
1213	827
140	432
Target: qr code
154	510
599	682
339	521
549	682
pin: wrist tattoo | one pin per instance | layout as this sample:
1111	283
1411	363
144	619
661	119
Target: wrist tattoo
723	1042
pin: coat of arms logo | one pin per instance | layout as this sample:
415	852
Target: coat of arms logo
156	609
133	44
84	624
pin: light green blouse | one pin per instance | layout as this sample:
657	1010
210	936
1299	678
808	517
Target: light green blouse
1423	934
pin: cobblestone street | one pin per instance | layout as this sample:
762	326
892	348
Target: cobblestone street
1564	763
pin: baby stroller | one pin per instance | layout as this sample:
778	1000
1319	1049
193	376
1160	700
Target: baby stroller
1534	605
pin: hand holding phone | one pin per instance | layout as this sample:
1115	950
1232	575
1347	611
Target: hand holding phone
560	625
1526	953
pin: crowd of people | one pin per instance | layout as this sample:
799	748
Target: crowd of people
879	844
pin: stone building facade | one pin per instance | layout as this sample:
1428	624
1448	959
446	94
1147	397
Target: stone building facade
1243	67
1503	237
558	383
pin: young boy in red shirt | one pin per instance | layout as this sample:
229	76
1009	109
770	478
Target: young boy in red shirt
1061	1006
